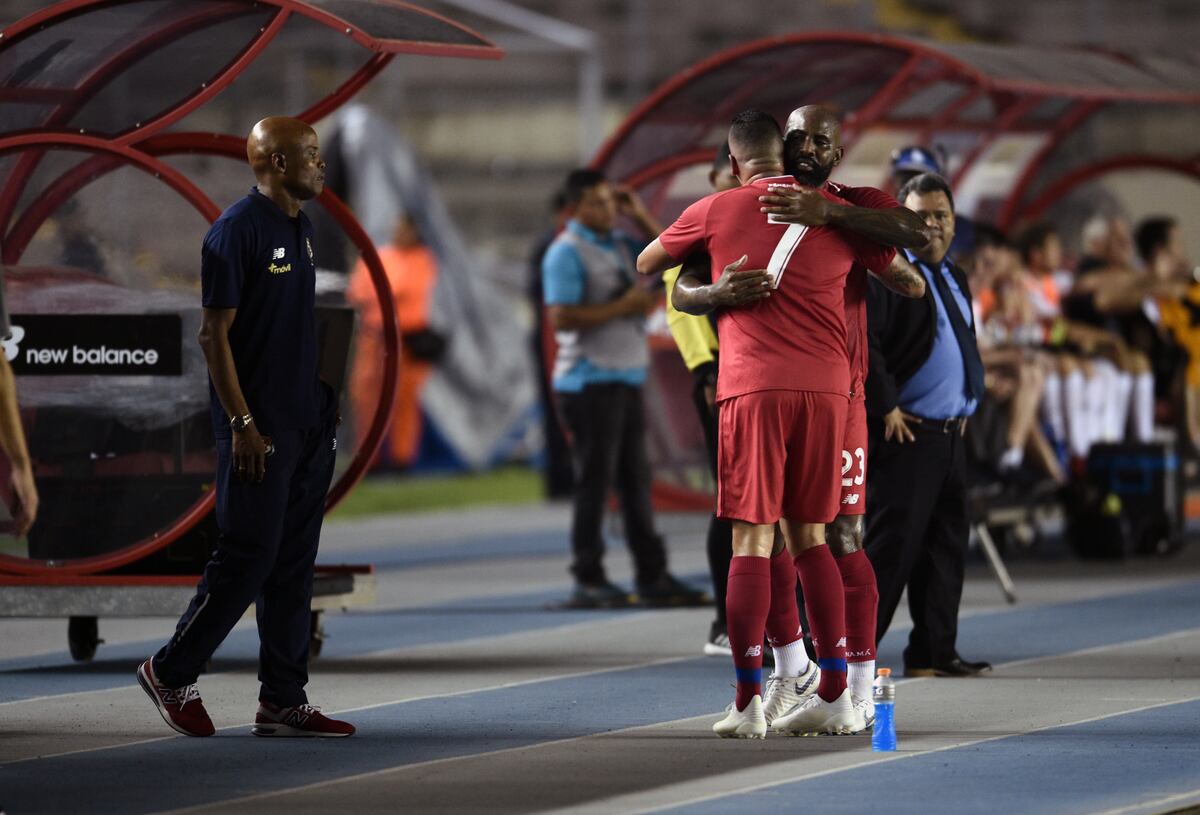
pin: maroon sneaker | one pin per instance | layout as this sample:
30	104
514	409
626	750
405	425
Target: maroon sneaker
181	708
300	721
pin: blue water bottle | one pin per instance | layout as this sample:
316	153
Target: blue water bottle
883	736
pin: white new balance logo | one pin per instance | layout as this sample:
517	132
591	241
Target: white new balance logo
295	717
754	651
278	253
851	499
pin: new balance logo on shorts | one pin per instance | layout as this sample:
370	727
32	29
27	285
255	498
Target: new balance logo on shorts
754	651
278	253
851	499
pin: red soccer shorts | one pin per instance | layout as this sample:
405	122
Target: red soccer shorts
854	461
779	455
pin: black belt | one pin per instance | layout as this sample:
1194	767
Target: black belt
954	424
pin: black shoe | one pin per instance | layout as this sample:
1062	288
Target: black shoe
667	591
598	595
957	667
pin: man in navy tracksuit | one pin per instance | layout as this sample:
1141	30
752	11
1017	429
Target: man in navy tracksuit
275	424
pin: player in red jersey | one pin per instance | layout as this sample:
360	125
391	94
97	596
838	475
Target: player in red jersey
812	151
783	385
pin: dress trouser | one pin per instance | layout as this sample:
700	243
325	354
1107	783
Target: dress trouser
264	555
719	544
608	445
917	536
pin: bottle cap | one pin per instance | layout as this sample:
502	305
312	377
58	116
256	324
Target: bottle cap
885	671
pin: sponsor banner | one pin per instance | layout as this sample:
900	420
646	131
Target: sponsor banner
104	344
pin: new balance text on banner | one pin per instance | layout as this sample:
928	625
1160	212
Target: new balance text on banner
105	344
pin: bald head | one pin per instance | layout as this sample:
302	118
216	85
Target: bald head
285	155
812	144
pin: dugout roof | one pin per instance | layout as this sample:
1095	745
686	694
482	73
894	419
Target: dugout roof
967	95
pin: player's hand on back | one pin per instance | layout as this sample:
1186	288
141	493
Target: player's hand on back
737	287
795	205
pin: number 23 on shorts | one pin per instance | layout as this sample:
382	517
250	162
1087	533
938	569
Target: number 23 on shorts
848	465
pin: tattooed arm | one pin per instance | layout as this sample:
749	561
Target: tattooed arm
903	278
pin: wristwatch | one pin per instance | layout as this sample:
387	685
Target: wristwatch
240	423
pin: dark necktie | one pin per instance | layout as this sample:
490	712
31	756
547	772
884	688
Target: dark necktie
962	332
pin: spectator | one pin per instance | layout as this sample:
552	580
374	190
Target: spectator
1106	244
599	316
1160	246
1112	295
1009	336
412	274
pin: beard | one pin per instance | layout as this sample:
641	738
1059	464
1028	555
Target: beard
816	177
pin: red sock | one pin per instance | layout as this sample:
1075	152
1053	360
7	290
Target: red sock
747	602
826	604
862	605
783	620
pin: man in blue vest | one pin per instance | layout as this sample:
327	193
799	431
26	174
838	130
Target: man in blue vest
599	317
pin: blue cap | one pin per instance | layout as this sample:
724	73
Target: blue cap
915	159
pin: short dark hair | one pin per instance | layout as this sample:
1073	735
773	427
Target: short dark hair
754	129
1153	234
579	182
924	184
1035	237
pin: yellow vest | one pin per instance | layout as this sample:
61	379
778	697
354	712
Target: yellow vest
693	334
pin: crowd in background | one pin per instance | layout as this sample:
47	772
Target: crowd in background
1086	351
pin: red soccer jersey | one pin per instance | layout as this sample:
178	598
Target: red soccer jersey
856	287
795	339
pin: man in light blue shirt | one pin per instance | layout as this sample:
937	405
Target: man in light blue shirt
938	390
599	317
926	377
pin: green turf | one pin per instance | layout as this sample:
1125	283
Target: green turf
375	495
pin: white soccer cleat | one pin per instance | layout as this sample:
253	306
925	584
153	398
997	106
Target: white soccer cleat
864	708
785	692
814	716
745	724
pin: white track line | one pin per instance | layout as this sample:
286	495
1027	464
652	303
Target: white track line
725	793
700	799
1156	805
451	695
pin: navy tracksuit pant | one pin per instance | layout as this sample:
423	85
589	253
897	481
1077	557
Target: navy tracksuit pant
265	555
